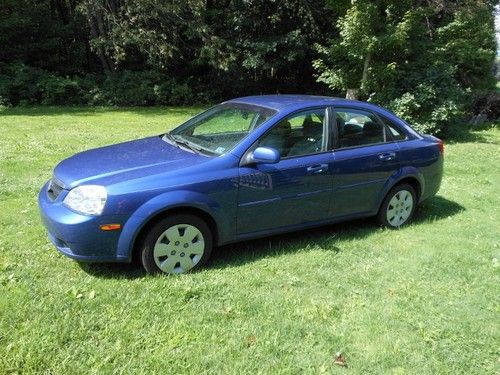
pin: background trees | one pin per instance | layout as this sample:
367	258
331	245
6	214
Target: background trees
424	59
428	60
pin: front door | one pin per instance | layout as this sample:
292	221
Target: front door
298	188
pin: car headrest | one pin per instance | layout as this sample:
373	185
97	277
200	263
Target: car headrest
312	128
283	127
340	124
372	129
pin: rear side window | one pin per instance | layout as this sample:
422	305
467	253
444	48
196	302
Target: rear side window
396	133
357	128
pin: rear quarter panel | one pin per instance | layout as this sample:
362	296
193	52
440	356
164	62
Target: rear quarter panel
423	156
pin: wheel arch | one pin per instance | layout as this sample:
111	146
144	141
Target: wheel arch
407	175
151	221
167	204
413	182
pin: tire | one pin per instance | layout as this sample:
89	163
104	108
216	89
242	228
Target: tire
398	207
177	244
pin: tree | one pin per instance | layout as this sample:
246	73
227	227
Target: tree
421	58
264	43
46	34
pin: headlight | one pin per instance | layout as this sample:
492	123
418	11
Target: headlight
87	199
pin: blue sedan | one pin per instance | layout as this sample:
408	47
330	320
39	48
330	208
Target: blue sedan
246	168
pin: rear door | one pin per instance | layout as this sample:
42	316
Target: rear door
365	157
298	188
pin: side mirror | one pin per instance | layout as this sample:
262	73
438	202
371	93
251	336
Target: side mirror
262	155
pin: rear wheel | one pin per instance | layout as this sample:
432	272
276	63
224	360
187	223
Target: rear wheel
398	206
176	244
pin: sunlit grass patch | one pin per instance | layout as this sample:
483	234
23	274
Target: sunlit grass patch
420	300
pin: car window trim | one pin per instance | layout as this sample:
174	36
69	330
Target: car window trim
325	128
329	124
387	131
381	118
334	133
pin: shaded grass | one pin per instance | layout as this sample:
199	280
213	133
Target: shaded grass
421	300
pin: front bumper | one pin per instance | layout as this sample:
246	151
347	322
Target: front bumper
79	236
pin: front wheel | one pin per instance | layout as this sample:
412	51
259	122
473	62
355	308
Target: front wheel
398	206
176	244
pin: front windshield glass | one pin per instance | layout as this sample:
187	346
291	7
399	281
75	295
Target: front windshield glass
220	128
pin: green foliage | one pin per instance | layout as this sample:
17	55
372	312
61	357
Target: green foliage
46	34
422	61
432	103
429	61
126	89
21	84
24	85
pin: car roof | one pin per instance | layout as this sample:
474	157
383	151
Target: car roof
293	102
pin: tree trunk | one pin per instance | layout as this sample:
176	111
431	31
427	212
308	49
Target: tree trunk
364	76
106	64
352	94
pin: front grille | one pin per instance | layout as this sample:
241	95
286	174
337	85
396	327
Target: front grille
54	189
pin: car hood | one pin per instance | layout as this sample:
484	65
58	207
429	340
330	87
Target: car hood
130	159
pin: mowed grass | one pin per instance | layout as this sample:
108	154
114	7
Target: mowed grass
421	300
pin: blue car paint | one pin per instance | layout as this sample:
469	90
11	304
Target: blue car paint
302	197
146	177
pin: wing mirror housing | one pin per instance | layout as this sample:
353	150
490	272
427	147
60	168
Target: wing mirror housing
262	155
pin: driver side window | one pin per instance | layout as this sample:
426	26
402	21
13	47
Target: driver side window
297	135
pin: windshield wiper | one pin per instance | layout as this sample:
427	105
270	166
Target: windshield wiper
188	145
169	137
180	142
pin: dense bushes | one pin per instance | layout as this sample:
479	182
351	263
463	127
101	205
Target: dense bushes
427	63
24	85
431	62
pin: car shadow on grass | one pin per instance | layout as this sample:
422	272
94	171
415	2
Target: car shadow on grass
125	271
325	238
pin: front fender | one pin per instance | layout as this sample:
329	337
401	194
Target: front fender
162	203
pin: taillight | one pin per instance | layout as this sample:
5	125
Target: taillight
441	146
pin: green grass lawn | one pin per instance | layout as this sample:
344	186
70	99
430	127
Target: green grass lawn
421	300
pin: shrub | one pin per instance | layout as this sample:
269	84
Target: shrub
59	91
21	85
429	109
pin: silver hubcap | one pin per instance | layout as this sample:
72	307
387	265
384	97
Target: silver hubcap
399	208
179	248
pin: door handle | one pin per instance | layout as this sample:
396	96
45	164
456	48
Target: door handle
387	156
317	169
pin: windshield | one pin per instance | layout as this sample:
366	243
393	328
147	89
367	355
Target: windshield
220	128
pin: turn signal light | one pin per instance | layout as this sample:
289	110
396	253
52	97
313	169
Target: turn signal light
108	227
441	146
